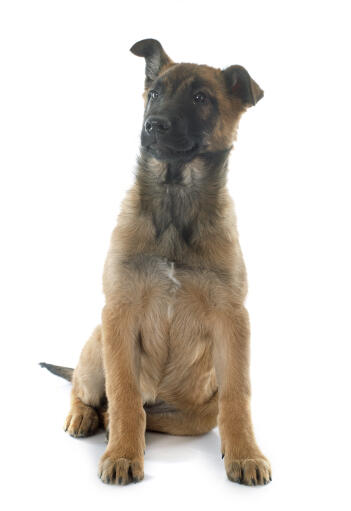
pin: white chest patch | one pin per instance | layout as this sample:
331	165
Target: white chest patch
171	274
174	287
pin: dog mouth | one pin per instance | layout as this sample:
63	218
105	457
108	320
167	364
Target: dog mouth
163	152
187	150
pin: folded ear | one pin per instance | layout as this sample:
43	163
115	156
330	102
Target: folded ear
156	59
241	85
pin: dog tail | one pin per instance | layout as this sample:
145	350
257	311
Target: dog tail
62	372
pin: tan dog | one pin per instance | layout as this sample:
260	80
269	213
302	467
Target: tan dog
172	353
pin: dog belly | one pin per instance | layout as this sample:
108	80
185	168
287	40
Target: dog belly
173	306
181	381
158	298
189	377
175	344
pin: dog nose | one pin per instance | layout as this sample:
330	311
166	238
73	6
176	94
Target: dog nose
160	124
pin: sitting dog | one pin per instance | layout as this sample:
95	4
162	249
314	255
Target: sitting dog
172	352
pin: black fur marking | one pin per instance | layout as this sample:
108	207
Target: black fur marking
174	174
175	196
141	345
155	57
240	84
190	124
187	233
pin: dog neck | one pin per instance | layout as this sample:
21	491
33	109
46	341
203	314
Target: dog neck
182	193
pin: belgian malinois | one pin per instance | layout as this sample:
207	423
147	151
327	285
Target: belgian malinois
172	352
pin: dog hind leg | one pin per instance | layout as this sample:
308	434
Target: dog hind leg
197	421
88	389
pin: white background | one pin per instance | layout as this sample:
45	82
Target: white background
70	116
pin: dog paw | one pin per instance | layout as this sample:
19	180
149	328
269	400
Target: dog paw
114	470
250	471
82	422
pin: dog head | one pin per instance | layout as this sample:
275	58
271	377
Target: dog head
190	109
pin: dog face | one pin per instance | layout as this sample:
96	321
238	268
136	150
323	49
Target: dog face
190	109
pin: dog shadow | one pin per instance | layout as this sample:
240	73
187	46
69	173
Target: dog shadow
170	448
167	448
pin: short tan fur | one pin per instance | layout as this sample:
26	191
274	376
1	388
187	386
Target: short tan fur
172	351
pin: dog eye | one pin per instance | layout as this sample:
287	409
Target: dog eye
153	94
199	97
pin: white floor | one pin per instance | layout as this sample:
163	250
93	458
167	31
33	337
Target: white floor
53	471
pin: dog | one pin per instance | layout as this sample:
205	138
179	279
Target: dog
172	352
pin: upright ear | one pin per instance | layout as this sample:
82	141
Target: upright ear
241	85
156	59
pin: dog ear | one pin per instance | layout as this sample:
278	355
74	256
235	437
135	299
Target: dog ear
241	85
156	59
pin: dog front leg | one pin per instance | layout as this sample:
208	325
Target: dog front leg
123	460
244	461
